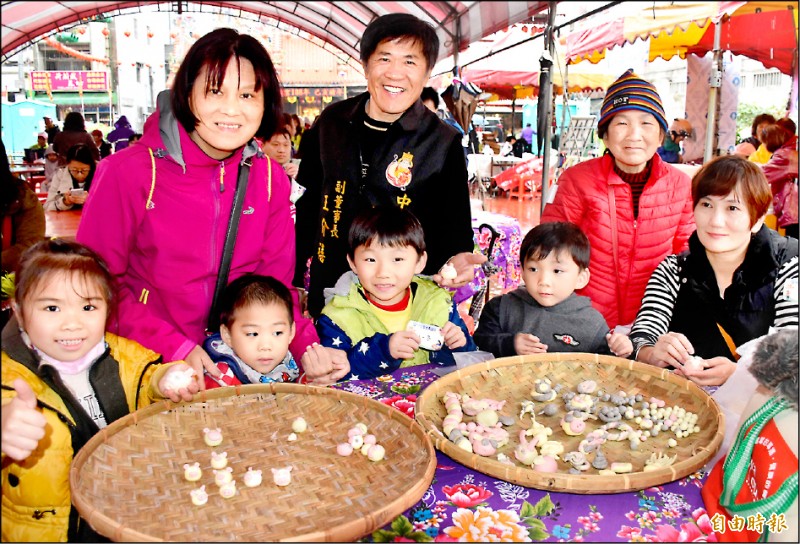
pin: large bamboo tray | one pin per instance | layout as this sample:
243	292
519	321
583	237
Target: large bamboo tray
128	481
511	379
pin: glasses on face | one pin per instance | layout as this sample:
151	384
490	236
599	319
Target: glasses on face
79	171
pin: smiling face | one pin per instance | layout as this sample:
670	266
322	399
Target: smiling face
65	316
552	279
396	74
260	335
723	224
279	148
228	116
633	137
385	272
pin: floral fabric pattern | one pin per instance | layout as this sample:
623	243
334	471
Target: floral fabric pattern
463	505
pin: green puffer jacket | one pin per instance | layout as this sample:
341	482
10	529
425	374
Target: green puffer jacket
36	500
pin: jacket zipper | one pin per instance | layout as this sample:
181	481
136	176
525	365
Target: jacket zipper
222	177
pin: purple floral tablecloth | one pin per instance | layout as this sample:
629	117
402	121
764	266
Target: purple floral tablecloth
468	506
505	254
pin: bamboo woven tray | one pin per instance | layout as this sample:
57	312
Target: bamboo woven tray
128	481
511	379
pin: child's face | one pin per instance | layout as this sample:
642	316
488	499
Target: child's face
52	157
554	278
65	317
385	272
260	335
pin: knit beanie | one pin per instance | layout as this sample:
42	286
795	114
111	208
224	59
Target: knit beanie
630	92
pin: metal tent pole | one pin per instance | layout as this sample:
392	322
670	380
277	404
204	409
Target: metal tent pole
715	82
545	93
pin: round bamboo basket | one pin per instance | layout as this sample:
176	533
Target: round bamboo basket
511	379
128	481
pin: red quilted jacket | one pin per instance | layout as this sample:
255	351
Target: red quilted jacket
665	221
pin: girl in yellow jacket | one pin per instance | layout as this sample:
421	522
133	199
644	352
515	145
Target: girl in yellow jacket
63	379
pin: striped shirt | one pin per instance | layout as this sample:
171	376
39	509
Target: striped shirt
661	295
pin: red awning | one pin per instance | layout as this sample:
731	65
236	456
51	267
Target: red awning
764	31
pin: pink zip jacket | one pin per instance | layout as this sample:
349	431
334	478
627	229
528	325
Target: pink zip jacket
159	220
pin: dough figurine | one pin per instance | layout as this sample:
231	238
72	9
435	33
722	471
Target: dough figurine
222	477
192	472
282	476
228	489
252	478
299	425
448	272
199	496
219	460
180	379
212	437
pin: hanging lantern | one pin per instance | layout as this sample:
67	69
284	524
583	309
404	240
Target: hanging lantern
173	35
150	34
327	99
105	31
127	33
310	99
291	99
524	28
82	30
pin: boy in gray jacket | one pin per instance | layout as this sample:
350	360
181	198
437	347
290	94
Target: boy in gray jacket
546	315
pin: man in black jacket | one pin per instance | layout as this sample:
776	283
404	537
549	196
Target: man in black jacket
384	147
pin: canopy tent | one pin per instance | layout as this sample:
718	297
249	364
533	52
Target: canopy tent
764	31
339	23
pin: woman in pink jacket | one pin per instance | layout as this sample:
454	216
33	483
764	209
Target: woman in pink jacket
159	211
635	208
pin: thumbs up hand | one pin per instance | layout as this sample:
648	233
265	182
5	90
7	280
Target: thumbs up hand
22	424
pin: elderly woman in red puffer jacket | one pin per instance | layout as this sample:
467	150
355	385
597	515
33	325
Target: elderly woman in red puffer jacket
635	208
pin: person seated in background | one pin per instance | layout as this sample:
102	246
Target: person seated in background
74	133
279	148
749	145
50	168
256	328
781	172
70	185
41	141
382	313
430	99
546	315
23	221
762	154
102	145
671	151
737	279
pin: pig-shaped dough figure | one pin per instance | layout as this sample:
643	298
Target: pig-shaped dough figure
252	478
282	476
199	496
192	472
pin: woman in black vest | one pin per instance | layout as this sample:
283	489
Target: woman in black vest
738	279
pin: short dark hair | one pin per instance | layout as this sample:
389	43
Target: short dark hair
558	236
81	153
760	118
251	289
787	124
135	137
721	175
402	26
429	93
74	121
214	51
386	225
773	137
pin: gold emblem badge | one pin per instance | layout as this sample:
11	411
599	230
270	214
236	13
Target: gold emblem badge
398	173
